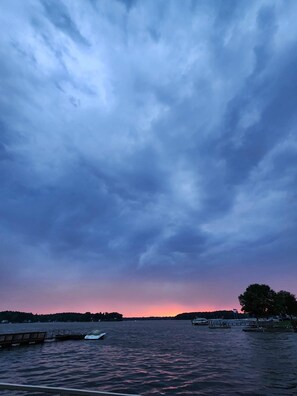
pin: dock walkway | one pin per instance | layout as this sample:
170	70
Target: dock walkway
28	338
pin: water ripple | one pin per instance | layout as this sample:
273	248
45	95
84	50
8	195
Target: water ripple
157	357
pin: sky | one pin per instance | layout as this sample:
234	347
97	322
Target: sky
148	153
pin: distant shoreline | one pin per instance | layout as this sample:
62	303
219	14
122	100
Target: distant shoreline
28	317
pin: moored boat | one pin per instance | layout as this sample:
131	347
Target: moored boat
95	335
200	322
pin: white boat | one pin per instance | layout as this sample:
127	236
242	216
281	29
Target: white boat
95	335
200	322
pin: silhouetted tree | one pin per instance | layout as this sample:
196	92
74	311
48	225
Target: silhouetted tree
258	300
223	314
285	303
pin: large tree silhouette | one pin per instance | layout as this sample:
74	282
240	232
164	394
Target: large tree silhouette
258	300
285	303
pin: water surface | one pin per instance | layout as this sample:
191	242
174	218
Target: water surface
156	357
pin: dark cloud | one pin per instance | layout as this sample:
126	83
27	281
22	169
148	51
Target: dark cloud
158	143
271	128
57	13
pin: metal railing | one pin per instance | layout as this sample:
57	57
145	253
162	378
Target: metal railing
57	391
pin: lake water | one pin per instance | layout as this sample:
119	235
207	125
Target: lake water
156	358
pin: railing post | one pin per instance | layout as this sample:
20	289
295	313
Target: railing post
58	391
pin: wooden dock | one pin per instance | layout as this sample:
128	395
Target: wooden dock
69	337
28	338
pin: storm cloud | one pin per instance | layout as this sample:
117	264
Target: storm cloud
152	143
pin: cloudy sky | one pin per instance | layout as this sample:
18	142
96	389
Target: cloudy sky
148	153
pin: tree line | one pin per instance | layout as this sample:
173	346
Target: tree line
261	301
223	314
21	317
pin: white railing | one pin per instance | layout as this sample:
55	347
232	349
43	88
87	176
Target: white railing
58	391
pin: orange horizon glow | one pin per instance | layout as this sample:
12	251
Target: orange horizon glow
168	310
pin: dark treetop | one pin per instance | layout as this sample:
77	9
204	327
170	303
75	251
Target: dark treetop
19	317
261	301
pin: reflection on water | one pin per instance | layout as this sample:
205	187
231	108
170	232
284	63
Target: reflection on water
157	357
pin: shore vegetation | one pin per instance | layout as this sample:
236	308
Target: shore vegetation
28	317
260	301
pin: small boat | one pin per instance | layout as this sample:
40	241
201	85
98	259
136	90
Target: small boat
95	335
199	322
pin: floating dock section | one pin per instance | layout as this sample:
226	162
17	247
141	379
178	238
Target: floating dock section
28	338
